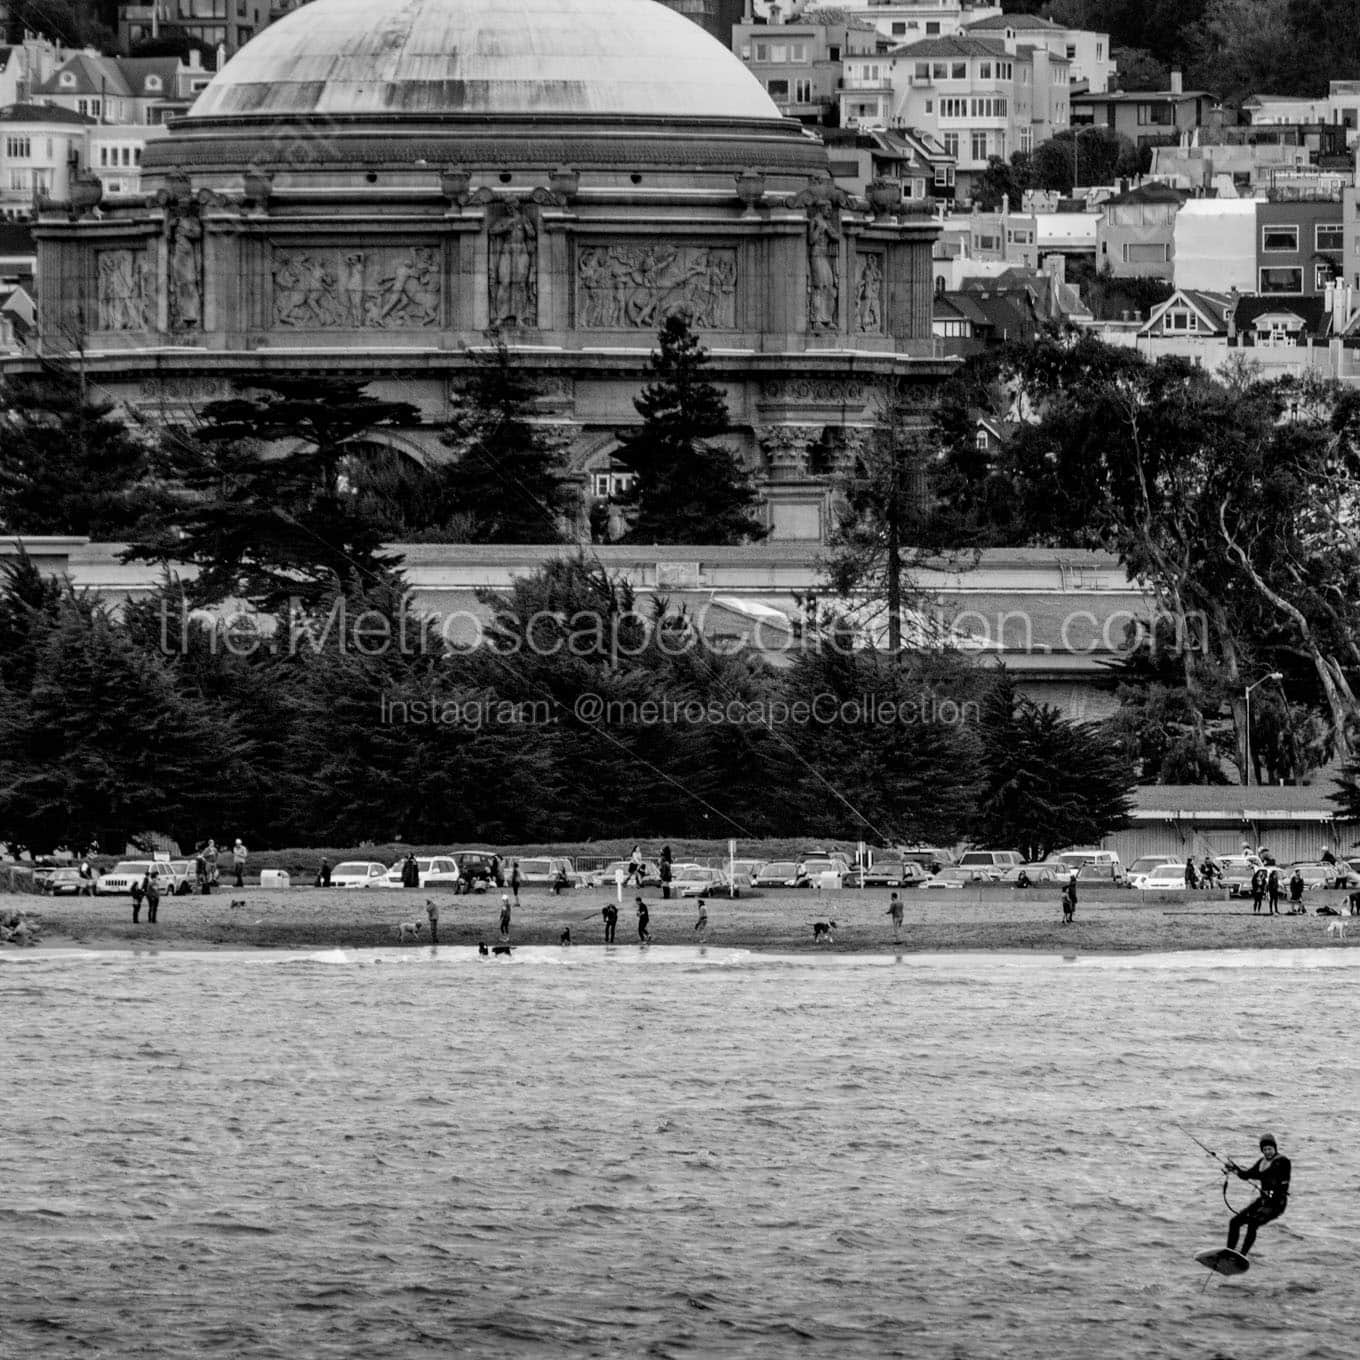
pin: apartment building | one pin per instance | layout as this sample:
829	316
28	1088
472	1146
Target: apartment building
228	24
902	21
1149	117
41	147
980	97
800	64
1136	232
124	90
1089	63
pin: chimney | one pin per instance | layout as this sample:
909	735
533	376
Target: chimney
1177	82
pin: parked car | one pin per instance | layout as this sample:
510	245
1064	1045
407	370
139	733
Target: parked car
750	867
951	876
888	870
1035	872
1078	859
697	881
780	873
991	864
1101	875
542	872
812	868
1164	878
604	878
476	870
1315	874
932	858
1145	864
436	871
359	873
1235	873
119	880
60	882
1347	873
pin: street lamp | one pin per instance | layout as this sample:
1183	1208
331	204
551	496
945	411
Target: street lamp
1274	675
1077	130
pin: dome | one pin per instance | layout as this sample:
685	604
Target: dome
425	59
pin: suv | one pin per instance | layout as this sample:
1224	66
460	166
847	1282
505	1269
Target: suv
990	864
932	858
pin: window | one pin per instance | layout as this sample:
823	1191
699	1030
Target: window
1145	252
899	30
933	27
798	51
1281	281
1026	139
778	89
17	148
802	92
762	51
981	441
1155	115
779	51
1329	236
153	83
939	70
953	108
1323	274
18	180
989	108
1100	51
951	144
922	70
984	70
1071	51
613	481
958	70
1280	238
930	106
103	155
985	241
944	176
1180	319
979	146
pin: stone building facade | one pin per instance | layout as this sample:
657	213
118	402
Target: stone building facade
370	190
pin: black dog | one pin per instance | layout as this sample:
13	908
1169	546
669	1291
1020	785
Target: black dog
566	935
822	930
495	949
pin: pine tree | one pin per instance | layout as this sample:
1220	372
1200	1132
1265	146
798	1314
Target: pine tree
688	489
263	515
1045	782
68	463
509	477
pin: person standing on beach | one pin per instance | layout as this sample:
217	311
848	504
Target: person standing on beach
138	892
644	917
635	866
152	888
611	920
1069	901
895	911
667	872
505	916
239	854
701	925
1273	890
86	872
432	912
516	878
1258	890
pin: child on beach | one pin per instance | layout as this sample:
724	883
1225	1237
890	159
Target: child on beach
895	911
644	916
701	925
505	916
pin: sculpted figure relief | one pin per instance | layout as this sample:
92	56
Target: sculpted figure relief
122	296
513	271
869	294
636	287
355	290
823	268
186	272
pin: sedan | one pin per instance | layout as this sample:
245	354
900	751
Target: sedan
61	882
951	876
1315	874
780	873
1036	872
887	872
358	873
605	878
1164	878
693	880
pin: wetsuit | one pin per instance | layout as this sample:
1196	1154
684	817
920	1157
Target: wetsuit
1269	1205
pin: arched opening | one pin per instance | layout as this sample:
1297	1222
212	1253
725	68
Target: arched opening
393	488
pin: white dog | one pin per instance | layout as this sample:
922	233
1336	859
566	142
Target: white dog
1337	928
410	930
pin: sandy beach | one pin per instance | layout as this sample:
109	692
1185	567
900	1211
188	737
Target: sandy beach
993	920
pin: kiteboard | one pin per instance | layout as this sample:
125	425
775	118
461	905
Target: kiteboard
1224	1260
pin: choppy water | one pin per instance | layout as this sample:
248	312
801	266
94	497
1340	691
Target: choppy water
575	1153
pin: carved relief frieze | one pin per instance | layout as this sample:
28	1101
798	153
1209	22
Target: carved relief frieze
869	293
352	289
636	287
121	291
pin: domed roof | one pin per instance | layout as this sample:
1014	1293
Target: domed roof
427	58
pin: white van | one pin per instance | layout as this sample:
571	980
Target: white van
1106	859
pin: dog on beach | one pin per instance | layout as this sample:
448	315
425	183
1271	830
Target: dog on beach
1337	928
566	935
237	903
821	930
495	949
410	930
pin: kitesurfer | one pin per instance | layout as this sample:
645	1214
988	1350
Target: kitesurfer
1271	1170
